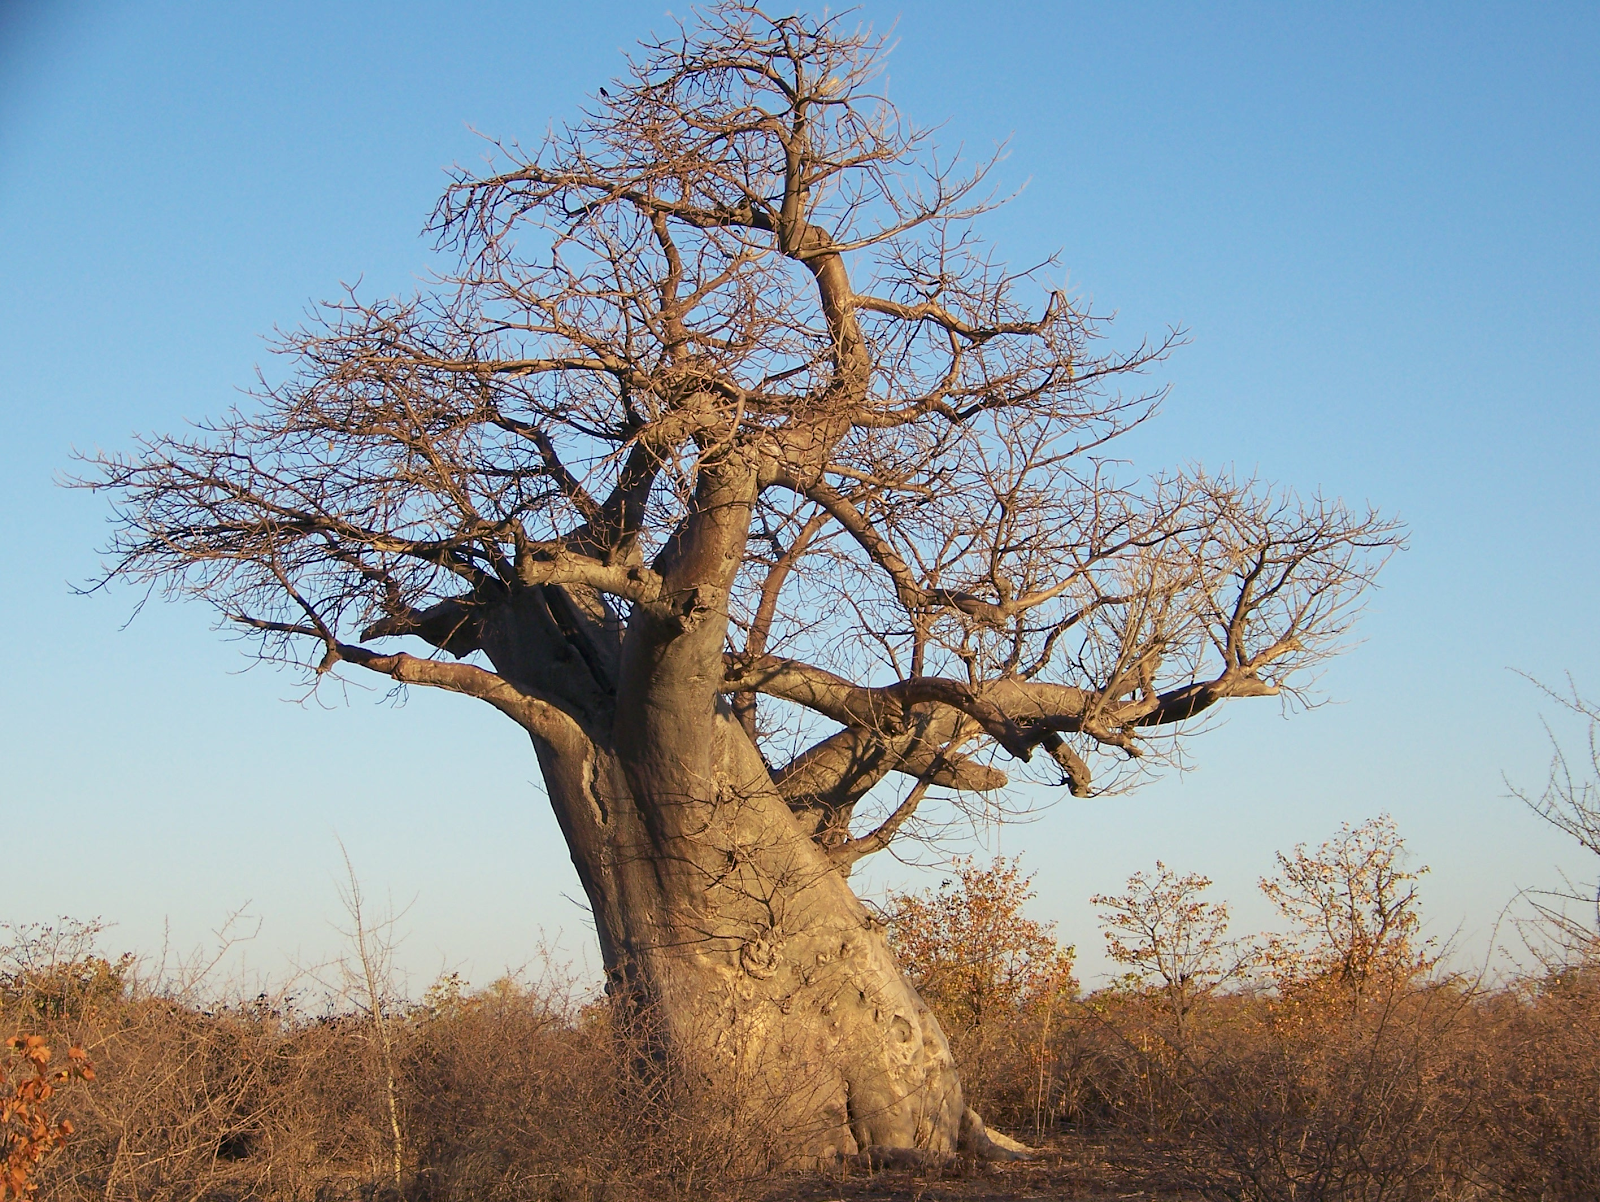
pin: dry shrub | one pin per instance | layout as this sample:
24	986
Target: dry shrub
1540	1050
194	1103
520	1091
1314	1065
1338	1065
998	981
532	1093
1331	1062
1273	1099
1538	1058
1305	1097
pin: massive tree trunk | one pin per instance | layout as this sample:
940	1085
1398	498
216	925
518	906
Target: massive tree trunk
718	914
721	920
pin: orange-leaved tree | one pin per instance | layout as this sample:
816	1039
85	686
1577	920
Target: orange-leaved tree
27	1127
996	978
1354	910
1171	942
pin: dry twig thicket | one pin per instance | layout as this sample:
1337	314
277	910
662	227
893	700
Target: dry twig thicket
516	1091
1332	1061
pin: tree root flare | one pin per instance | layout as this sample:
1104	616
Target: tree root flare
977	1142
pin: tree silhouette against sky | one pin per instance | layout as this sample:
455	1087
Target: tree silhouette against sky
731	465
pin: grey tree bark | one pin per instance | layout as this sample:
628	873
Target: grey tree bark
719	916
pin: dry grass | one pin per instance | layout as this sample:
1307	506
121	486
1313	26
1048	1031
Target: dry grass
514	1092
1426	1089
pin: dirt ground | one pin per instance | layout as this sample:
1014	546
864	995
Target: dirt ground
1070	1170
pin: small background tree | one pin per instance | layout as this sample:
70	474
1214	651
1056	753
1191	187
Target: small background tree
1354	912
1313	1065
998	980
1171	941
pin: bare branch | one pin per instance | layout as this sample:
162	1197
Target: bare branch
535	714
728	355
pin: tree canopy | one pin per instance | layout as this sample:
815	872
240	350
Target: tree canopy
725	386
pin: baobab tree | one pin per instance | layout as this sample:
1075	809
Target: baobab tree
728	463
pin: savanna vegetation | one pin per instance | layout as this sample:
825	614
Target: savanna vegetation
1336	1057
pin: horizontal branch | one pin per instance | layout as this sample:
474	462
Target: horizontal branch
533	713
1020	715
839	770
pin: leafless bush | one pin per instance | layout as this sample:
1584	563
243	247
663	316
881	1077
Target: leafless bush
529	1093
1537	1057
1340	1065
1317	1101
520	1091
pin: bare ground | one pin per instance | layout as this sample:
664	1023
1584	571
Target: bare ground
1066	1168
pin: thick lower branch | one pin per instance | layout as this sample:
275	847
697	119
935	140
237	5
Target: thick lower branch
1019	714
1015	713
534	714
841	769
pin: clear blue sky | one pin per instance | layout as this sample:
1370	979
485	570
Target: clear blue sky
1380	223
